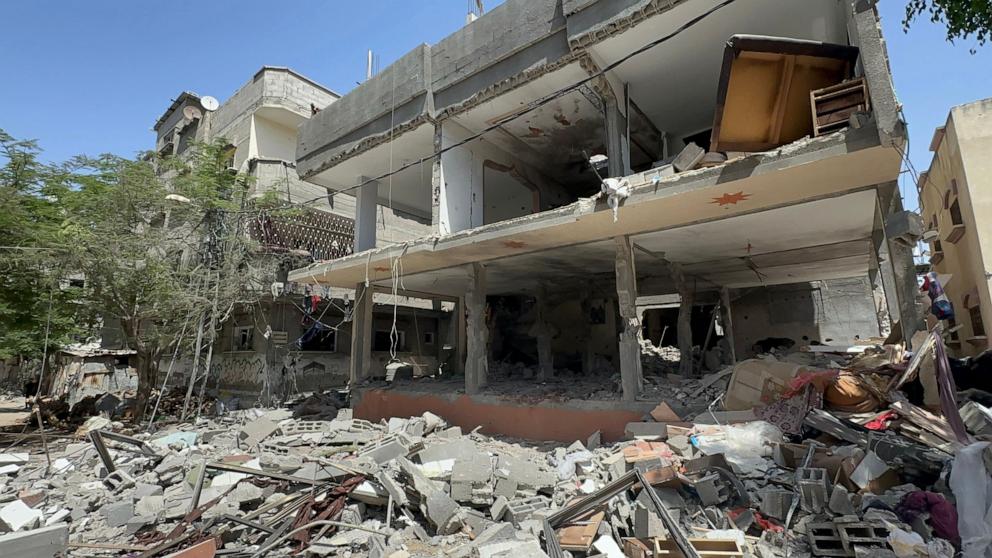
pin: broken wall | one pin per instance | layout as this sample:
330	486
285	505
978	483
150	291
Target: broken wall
835	311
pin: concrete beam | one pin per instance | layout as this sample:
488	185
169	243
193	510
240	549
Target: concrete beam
365	212
865	31
477	332
361	334
631	374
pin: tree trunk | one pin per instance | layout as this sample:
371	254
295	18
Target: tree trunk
146	380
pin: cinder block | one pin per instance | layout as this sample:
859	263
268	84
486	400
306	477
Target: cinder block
824	540
471	480
813	488
525	508
776	503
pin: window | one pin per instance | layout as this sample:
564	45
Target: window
947	199
937	247
956	213
977	327
381	341
954	187
244	338
428	338
325	340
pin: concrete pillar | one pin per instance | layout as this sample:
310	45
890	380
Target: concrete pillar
687	295
361	334
477	332
545	357
588	355
437	181
457	181
365	206
727	319
617	147
630	346
897	267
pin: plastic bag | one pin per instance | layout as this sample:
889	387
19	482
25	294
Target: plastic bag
740	443
907	544
972	486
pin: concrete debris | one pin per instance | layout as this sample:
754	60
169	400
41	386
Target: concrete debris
725	482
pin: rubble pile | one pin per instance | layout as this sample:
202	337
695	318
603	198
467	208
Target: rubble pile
775	471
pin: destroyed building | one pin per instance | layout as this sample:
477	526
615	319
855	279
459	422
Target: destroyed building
576	159
953	202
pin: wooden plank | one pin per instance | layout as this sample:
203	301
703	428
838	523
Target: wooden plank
580	533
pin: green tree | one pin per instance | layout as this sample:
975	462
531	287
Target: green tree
160	244
36	295
963	18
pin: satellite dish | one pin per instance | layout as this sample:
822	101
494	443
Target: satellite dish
209	103
192	113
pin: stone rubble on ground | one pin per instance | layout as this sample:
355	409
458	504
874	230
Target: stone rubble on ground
415	487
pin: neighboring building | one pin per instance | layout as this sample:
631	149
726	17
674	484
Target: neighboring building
488	136
289	341
956	205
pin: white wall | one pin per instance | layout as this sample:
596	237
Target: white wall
273	140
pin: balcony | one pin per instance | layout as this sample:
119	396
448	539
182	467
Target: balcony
957	223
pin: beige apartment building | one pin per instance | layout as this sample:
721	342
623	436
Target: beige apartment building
956	203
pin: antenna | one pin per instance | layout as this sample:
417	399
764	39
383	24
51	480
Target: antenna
192	113
368	66
209	103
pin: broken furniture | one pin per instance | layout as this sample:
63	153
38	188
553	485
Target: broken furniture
764	90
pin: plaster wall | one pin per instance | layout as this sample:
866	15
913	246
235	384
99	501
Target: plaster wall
962	163
835	311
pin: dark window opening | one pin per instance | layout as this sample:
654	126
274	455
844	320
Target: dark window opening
956	213
325	340
382	342
702	139
977	327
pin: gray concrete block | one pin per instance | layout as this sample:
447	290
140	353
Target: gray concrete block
461	448
471	480
646	430
118	514
257	430
524	508
840	501
776	503
690	156
813	488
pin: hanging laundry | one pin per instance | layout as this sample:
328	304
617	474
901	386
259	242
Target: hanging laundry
940	306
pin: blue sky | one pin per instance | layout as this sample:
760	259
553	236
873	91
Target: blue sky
92	77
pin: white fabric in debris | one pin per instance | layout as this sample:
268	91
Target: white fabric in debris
972	486
615	189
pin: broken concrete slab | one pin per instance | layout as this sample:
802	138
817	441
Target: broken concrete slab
118	514
257	430
646	431
38	543
17	516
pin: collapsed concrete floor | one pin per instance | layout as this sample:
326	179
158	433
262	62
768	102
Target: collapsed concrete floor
810	453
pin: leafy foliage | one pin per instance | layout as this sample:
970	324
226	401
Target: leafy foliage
963	18
36	294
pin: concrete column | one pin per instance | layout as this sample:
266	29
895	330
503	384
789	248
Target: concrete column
687	295
617	147
437	182
898	270
588	355
630	346
457	181
361	334
477	333
728	322
545	357
365	206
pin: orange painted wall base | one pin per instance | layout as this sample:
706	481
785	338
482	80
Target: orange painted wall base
560	422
